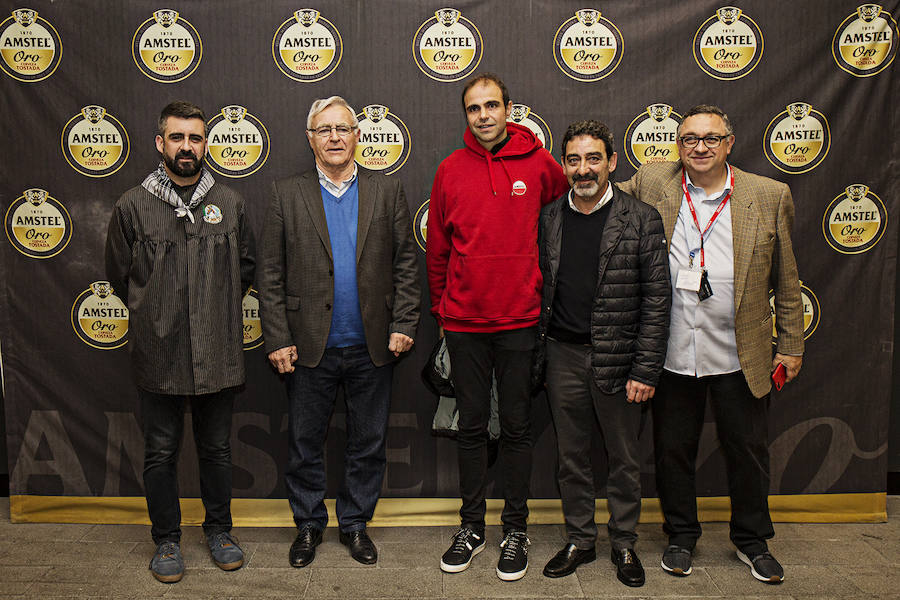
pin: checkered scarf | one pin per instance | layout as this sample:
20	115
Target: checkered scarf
159	184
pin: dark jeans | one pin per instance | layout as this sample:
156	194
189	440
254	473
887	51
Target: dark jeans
162	418
742	427
473	357
579	408
312	393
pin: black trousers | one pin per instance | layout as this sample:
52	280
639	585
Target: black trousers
742	427
162	419
579	409
473	357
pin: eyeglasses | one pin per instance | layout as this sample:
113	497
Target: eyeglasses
710	141
324	131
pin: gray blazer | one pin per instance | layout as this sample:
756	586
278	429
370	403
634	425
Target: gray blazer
295	275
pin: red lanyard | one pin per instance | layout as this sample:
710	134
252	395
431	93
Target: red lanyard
712	219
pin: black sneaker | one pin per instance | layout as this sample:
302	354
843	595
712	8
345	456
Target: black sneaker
466	544
513	556
676	560
763	566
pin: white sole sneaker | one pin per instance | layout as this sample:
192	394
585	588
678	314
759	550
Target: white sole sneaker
677	572
459	568
512	576
746	560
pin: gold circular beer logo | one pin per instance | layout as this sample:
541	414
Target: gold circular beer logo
728	45
854	221
238	142
865	43
38	225
100	318
252	325
30	46
166	48
307	46
94	142
797	140
588	46
811	312
448	46
523	115
384	142
420	225
651	136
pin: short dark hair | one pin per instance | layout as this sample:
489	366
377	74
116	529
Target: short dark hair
480	78
708	109
595	129
182	110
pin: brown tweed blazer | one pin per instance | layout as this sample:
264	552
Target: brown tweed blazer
762	215
295	275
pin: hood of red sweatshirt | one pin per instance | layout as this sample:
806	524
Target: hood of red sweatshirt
522	141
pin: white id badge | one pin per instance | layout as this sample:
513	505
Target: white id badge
688	280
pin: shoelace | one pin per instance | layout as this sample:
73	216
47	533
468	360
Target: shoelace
167	549
223	539
461	539
307	533
510	544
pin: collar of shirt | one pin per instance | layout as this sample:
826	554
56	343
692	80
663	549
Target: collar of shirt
334	189
604	200
700	193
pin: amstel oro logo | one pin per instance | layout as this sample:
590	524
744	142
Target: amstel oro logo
100	318
307	46
94	142
523	115
448	46
30	46
866	42
420	225
652	136
238	142
811	312
38	225
166	48
252	326
384	141
797	139
855	220
588	47
728	45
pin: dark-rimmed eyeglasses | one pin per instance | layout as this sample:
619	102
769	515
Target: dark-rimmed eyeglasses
710	141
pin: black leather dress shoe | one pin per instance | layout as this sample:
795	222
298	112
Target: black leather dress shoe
303	550
362	549
567	560
628	567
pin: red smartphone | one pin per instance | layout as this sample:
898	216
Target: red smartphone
778	376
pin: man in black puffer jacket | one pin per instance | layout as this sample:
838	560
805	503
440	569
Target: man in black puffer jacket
603	334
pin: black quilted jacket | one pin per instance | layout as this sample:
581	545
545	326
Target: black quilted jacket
630	314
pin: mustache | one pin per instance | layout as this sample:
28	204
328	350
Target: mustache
586	177
185	154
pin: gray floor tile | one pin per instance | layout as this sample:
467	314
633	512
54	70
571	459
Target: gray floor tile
482	582
888	547
374	583
268	535
598	580
23	532
799	582
32	553
873	581
203	583
117	533
22	573
829	552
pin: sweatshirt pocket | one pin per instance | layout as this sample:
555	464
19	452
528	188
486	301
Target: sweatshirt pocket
493	287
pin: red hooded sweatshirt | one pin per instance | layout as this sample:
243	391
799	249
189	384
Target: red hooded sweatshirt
482	253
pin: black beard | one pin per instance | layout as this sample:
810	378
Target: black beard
183	171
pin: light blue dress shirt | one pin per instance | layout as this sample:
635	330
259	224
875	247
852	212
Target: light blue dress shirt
701	334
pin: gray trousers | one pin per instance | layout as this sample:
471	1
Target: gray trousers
578	408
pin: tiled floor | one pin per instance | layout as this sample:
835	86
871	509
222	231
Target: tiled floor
110	561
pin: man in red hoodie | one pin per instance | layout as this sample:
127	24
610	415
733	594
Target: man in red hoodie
485	283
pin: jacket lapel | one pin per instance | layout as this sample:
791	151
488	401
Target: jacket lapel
311	195
743	227
367	190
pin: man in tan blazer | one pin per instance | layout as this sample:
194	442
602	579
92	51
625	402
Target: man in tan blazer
339	302
729	241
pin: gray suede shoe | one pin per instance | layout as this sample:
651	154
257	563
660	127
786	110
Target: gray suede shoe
225	551
167	565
